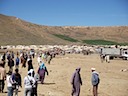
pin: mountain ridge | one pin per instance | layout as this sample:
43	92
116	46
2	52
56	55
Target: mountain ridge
15	31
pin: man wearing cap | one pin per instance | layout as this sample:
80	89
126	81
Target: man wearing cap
29	82
95	81
34	93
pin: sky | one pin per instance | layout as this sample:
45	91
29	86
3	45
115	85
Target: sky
68	12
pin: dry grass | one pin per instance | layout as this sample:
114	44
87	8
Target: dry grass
113	81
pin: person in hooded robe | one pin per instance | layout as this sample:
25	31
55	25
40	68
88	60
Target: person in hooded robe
76	82
41	71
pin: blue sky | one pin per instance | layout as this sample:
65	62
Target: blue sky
68	12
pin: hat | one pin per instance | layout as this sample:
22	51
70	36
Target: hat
78	68
29	72
28	59
93	69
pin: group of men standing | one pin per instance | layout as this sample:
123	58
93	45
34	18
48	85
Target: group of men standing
76	82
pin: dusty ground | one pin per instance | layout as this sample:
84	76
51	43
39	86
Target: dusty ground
113	81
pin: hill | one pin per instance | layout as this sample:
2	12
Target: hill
14	31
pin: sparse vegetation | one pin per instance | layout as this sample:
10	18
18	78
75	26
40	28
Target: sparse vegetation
102	42
99	42
122	43
64	37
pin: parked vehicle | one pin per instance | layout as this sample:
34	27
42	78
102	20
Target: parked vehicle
115	52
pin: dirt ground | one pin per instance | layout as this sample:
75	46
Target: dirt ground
114	82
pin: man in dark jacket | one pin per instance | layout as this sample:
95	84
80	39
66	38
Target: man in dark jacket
30	66
11	64
17	78
17	60
2	76
95	81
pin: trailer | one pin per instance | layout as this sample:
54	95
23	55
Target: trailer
115	53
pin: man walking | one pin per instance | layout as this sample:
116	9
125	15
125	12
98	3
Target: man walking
2	76
17	60
76	82
34	93
17	78
29	82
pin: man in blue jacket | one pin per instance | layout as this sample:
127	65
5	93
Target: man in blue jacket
95	81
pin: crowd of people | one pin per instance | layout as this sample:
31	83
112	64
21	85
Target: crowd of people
14	80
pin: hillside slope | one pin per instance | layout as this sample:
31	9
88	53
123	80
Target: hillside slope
14	31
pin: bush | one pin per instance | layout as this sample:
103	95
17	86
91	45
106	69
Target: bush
64	37
99	42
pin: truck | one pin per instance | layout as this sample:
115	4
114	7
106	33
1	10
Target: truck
115	53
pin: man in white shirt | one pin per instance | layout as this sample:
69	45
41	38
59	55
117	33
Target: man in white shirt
10	83
36	77
29	82
39	60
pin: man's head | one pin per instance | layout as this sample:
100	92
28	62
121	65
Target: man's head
93	69
29	73
32	72
78	69
16	70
